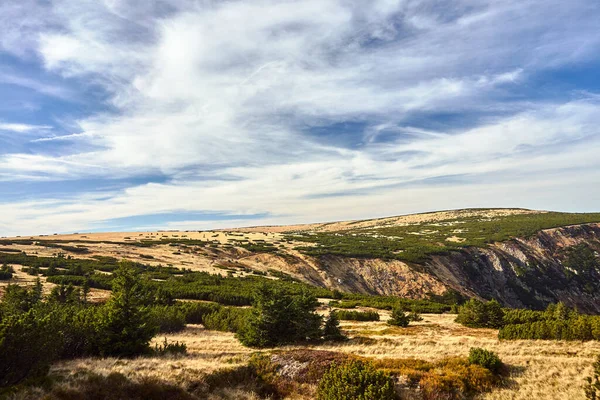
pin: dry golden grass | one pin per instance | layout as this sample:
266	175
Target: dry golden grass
538	369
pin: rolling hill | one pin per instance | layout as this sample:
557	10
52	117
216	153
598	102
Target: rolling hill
523	258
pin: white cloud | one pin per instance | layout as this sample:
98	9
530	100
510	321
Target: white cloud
235	89
22	128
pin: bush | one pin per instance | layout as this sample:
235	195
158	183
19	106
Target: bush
486	359
27	346
6	272
355	380
476	314
167	319
558	322
357	315
592	388
194	312
415	316
399	318
227	319
449	378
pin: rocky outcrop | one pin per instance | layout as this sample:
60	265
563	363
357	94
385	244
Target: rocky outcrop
526	272
523	272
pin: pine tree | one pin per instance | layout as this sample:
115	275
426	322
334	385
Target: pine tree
331	330
399	318
126	328
278	318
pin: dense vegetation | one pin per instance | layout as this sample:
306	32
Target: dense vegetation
476	314
416	242
557	322
33	333
438	304
399	318
278	318
355	379
357	315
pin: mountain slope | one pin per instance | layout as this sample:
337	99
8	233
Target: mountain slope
520	257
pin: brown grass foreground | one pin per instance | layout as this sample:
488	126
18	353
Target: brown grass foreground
537	369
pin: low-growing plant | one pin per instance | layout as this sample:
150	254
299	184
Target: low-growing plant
227	319
486	359
167	319
357	315
355	379
477	314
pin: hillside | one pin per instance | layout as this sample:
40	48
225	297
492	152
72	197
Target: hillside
520	257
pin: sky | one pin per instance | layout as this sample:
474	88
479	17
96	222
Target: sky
119	115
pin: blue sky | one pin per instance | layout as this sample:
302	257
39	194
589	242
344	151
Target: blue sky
185	114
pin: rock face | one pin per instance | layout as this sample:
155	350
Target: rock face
523	272
527	272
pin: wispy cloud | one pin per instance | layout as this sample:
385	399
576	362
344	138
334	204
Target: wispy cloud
272	108
22	128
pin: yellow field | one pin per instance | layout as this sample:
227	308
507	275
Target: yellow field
538	369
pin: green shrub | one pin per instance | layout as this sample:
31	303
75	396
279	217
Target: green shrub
194	312
6	272
399	318
558	322
476	314
227	319
331	330
486	359
415	316
27	346
355	380
592	387
167	319
357	315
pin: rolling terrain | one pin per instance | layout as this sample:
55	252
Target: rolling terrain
522	258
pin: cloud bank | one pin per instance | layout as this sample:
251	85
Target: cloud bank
214	114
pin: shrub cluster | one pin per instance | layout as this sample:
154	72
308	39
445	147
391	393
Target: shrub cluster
347	315
449	378
477	314
278	318
558	322
6	272
355	379
34	333
399	318
486	359
227	319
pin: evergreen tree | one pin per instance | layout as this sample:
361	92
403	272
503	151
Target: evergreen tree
399	318
278	318
126	327
331	330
